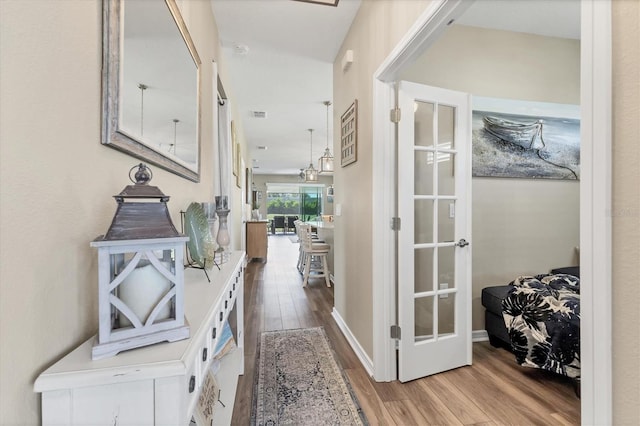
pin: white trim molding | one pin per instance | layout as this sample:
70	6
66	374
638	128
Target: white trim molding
383	243
595	213
431	23
353	342
479	336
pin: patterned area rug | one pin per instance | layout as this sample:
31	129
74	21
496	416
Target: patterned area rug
299	382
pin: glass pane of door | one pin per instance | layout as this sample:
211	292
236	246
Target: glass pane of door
310	203
434	220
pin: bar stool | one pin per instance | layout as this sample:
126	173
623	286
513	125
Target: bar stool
313	250
301	257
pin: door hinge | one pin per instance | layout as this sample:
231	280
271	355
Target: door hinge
395	332
395	115
395	223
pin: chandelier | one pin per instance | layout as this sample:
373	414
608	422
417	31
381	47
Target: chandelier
325	164
310	173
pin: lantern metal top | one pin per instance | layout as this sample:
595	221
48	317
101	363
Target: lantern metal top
141	187
141	220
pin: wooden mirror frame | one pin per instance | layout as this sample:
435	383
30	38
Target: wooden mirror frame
112	135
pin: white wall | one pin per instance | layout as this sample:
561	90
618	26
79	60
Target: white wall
520	226
57	181
626	212
376	29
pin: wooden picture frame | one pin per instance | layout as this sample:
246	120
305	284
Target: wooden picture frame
349	135
248	180
234	150
239	164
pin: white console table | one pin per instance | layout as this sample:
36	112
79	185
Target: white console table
158	384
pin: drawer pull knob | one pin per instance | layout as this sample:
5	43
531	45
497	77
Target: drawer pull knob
234	286
221	316
204	354
226	303
192	384
214	332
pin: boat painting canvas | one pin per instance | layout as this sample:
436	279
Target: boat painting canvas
522	139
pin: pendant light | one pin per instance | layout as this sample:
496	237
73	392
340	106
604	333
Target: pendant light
175	134
142	88
311	174
326	161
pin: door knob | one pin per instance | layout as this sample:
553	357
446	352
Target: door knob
462	243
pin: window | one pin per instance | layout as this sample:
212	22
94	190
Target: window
304	201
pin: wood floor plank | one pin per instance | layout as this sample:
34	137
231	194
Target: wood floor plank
405	412
435	410
494	391
373	407
460	405
485	393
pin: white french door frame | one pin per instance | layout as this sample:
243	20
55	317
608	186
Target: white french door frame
595	197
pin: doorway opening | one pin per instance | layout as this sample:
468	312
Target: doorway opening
594	194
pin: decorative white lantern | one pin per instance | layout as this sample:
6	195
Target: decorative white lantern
140	272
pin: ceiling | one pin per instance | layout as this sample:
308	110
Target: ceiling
280	56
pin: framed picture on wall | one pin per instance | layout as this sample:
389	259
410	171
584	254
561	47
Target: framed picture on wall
238	165
234	149
248	180
349	135
525	139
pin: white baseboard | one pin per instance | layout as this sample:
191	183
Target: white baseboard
479	336
353	342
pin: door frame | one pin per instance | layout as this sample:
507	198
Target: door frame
595	197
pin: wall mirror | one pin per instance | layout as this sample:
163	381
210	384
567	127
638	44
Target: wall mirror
150	85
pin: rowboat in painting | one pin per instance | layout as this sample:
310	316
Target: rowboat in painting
522	134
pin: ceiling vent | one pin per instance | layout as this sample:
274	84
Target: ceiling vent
259	114
261	147
241	49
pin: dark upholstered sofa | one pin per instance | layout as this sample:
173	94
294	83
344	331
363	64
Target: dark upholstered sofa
492	301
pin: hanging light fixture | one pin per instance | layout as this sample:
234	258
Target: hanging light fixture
142	88
311	174
326	161
175	134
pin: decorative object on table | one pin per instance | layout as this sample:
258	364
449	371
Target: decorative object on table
140	272
209	209
226	343
208	399
522	139
325	165
223	238
349	135
310	173
298	381
200	247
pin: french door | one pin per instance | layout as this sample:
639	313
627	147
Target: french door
434	252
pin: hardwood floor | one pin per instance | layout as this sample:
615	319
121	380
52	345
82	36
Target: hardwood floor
495	390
